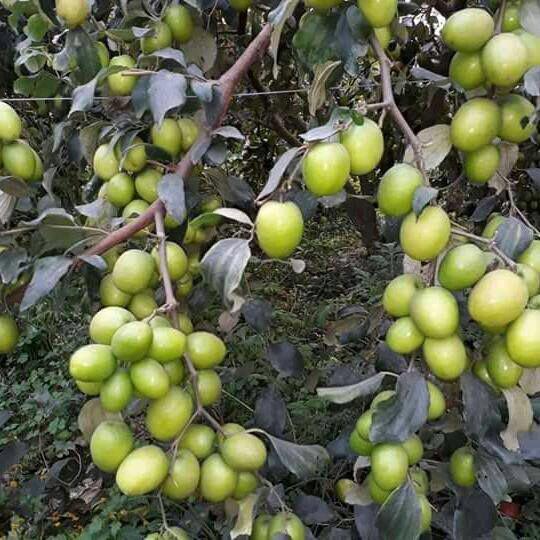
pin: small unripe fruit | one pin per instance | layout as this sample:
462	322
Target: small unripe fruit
10	123
424	237
365	145
503	371
119	84
446	357
9	334
476	123
146	184
92	363
243	452
466	70
326	168
435	312
279	228
131	342
437	403
116	392
110	294
205	350
208	387
160	39
462	469
167	136
523	339
133	159
133	271
396	189
414	448
468	30
180	22
142	471
149	378
199	439
480	165
462	267
190	132
183	478
105	163
218	480
505	59
111	442
404	337
378	12
399	293
143	304
167	416
177	261
389	465
516	114
120	190
18	159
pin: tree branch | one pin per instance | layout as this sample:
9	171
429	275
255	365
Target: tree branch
389	103
500	17
226	84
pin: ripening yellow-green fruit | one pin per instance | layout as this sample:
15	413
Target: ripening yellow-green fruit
167	416
446	357
279	228
73	12
110	294
423	237
240	5
462	468
199	439
503	371
105	163
111	442
177	261
167	136
498	298
326	168
523	339
133	159
131	342
10	123
143	304
378	12
399	293
511	18
9	333
468	30
120	190
466	70
396	189
462	267
218	480
168	344
505	59
365	145
89	388
146	184
480	165
208	387
531	256
180	22
404	337
142	471
517	114
19	160
475	124
184	476
161	38
116	392
118	83
435	312
92	363
205	350
150	378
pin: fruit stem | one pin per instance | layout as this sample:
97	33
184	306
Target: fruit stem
390	105
490	243
500	17
170	300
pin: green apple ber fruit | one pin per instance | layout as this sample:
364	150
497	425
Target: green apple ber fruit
523	339
498	298
435	312
468	30
462	469
142	471
378	12
111	442
180	22
119	84
462	267
505	59
480	165
389	465
279	228
73	12
326	168
404	337
365	145
10	123
466	70
9	333
399	293
396	189
286	523
423	237
446	357
503	371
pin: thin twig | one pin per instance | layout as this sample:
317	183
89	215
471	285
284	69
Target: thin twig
393	109
500	17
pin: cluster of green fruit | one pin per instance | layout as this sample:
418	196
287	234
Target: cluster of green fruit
144	358
392	463
129	182
485	59
379	14
17	157
326	168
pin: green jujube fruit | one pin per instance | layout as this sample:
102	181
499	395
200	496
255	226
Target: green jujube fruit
142	471
92	363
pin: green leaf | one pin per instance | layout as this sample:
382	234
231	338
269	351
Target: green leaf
171	193
314	40
36	27
399	516
278	19
166	91
47	273
302	460
41	85
317	90
344	394
12	263
398	417
83	96
223	267
83	52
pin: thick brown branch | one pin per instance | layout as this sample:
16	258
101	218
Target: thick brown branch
390	103
226	84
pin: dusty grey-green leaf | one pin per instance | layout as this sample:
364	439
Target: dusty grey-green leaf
344	394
